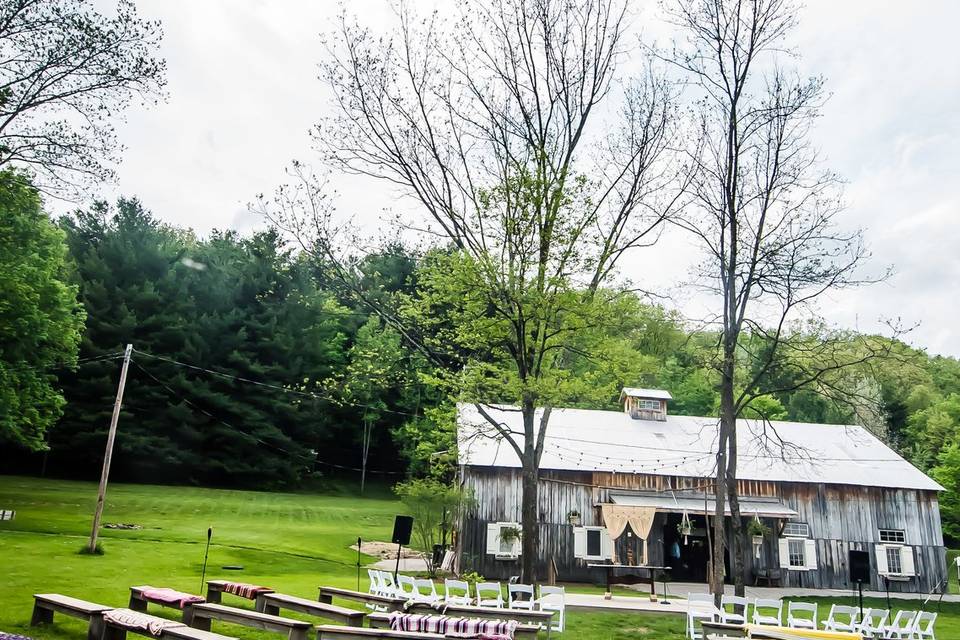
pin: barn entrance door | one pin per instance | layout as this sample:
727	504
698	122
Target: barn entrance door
688	559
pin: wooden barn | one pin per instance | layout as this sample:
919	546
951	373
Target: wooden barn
634	487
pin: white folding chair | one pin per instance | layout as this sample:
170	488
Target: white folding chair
699	607
923	626
520	596
764	610
873	623
842	618
456	592
553	599
489	594
375	587
387	584
802	622
902	625
425	591
406	587
730	616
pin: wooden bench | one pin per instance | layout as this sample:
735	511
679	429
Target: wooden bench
271	603
723	630
138	602
522	616
178	631
523	631
770	576
334	632
45	604
203	614
327	594
216	589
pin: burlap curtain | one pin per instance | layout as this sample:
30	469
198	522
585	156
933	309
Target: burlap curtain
616	517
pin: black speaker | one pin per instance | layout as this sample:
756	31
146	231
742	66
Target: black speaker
859	566
402	526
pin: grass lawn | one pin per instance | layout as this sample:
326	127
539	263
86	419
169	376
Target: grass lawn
290	541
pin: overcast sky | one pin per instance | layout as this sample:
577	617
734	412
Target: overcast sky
243	92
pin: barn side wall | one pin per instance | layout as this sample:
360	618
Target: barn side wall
840	517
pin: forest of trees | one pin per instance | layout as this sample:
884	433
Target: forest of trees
252	369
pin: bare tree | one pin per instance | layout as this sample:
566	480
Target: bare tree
765	212
525	155
66	72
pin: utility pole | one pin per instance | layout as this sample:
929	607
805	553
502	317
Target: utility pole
102	492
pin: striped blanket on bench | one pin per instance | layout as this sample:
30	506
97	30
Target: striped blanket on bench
130	619
169	597
244	590
454	627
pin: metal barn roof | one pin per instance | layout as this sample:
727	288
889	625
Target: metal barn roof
585	440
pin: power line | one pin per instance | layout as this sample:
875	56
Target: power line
618	445
65	365
275	387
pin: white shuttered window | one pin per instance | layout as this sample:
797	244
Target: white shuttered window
798	554
895	560
500	546
592	543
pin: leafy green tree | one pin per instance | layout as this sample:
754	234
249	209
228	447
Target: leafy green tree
933	428
435	507
372	375
429	443
241	307
947	473
485	125
765	408
40	318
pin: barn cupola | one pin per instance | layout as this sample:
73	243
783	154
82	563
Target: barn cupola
645	404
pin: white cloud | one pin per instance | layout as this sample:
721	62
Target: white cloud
244	93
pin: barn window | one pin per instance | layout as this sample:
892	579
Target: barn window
592	543
895	560
797	553
653	405
796	530
501	544
895	536
894	566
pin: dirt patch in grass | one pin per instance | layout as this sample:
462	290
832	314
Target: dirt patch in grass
384	550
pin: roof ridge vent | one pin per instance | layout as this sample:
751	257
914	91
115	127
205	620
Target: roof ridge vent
645	404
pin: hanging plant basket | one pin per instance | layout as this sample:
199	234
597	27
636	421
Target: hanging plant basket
758	532
685	528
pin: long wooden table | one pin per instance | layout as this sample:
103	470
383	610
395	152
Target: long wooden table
629	577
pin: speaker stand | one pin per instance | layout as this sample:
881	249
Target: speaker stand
860	590
396	570
359	544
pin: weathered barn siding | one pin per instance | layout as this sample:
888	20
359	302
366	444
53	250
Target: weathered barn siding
840	517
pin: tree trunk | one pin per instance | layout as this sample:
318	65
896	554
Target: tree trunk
365	450
719	533
727	433
737	567
530	542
